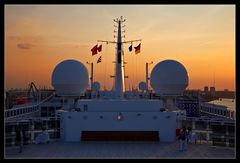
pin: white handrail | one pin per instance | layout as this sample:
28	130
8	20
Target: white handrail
24	110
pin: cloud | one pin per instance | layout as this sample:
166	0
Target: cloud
206	43
34	39
15	38
25	46
80	46
68	44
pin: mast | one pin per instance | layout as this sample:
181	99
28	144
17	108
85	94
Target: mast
119	76
119	83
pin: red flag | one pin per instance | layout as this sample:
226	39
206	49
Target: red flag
99	59
100	48
137	49
94	50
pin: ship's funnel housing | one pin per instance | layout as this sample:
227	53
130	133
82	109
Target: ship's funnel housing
169	78
70	78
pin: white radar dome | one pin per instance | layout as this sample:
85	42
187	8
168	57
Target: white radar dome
169	78
142	86
96	86
70	78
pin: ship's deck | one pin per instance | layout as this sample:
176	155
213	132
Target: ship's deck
145	150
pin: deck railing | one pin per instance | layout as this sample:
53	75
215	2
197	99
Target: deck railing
24	111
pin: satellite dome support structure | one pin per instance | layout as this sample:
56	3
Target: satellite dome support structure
119	82
91	77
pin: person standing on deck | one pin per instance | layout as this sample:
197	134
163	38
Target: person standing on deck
20	137
183	139
189	135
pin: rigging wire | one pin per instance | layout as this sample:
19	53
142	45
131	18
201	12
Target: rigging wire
135	85
105	65
133	70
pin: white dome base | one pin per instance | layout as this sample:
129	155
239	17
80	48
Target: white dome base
170	89
68	90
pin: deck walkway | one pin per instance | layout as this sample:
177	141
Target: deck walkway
144	150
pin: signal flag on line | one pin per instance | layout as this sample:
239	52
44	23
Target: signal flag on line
137	49
99	59
94	50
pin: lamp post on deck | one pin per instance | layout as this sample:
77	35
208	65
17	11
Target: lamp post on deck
147	77
91	77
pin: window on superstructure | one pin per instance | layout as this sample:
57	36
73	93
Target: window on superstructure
85	107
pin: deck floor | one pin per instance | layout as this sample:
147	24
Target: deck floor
145	150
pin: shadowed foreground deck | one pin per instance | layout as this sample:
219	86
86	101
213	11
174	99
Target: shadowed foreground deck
144	150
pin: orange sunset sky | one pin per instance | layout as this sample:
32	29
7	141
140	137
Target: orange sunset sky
201	37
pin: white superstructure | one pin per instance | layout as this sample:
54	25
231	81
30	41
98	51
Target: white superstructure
117	110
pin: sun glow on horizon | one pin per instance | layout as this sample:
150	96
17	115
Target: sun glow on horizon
201	37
